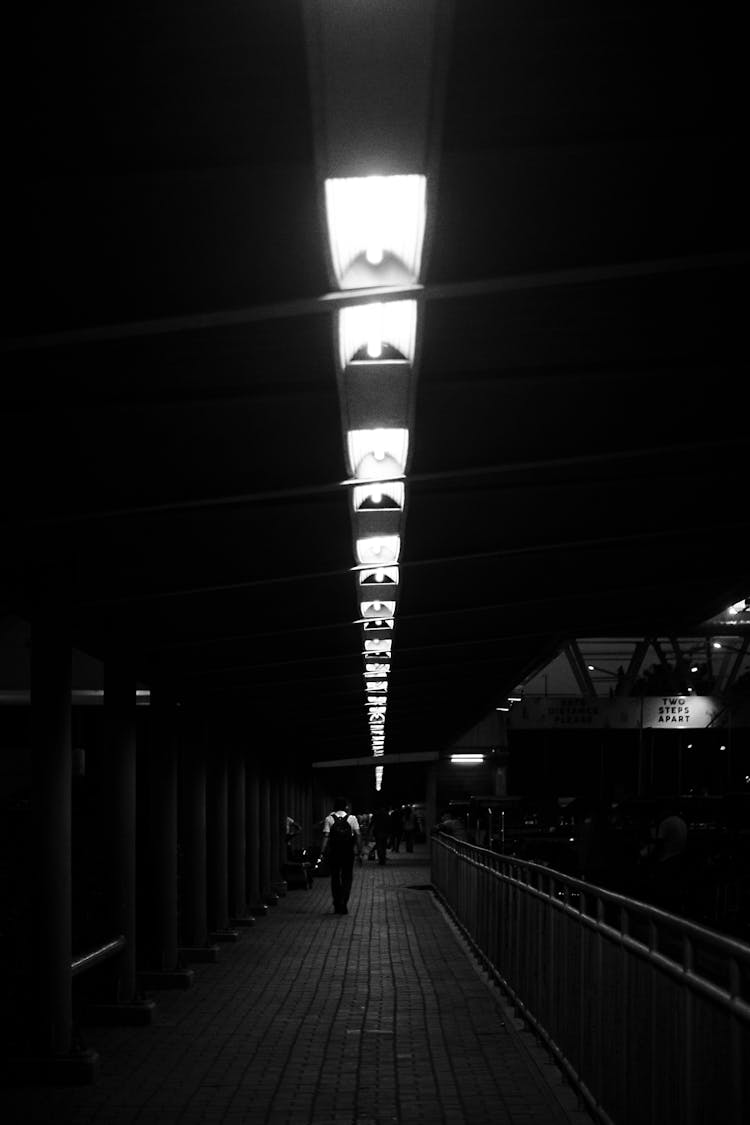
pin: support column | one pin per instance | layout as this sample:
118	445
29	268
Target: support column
237	842
52	870
278	848
126	1006
218	889
269	896
163	966
194	943
252	827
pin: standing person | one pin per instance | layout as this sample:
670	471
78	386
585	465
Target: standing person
409	825
293	828
341	840
396	829
379	828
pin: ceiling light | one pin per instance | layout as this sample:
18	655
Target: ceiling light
466	759
375	326
378	549
379	453
369	609
375	229
383	496
379	576
378	645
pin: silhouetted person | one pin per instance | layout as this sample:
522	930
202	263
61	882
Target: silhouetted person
396	829
379	826
341	841
409	826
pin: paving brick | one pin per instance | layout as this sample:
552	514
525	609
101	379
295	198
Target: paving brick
373	1018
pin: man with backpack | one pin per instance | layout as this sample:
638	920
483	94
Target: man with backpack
341	840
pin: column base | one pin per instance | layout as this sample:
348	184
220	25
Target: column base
247	921
224	935
138	1014
202	953
279	888
79	1068
271	899
178	978
259	910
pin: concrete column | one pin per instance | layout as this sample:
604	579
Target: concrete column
277	849
120	822
163	968
237	840
52	871
269	896
194	942
430	811
252	829
218	883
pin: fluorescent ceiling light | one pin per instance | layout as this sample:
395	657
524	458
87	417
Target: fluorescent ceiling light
378	645
386	496
466	759
377	669
376	229
377	609
376	685
378	549
380	576
374	454
374	327
378	624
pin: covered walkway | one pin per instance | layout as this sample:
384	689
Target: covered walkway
311	1018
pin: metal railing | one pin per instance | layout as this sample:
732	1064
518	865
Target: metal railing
647	1014
93	957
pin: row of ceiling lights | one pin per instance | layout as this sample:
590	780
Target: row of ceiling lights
375	232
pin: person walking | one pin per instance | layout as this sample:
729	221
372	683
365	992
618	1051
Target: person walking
409	825
379	826
341	841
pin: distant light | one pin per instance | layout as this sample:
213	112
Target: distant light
694	668
466	759
379	323
379	576
378	453
502	708
389	494
378	548
591	667
514	699
717	644
369	609
378	777
378	645
371	218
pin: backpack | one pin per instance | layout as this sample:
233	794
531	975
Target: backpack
341	836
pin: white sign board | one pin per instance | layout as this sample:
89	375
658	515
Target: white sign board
660	712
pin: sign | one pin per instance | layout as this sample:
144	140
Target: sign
658	712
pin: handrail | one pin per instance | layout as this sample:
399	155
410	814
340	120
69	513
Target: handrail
647	1013
96	956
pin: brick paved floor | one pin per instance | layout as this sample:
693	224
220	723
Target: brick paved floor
377	1017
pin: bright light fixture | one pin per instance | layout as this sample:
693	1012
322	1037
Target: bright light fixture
375	454
377	609
466	759
376	229
385	496
374	326
378	778
382	549
378	645
380	576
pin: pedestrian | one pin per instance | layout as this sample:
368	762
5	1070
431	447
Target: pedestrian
379	825
293	828
409	825
341	841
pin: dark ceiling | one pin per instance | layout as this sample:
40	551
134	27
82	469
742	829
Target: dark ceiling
172	450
